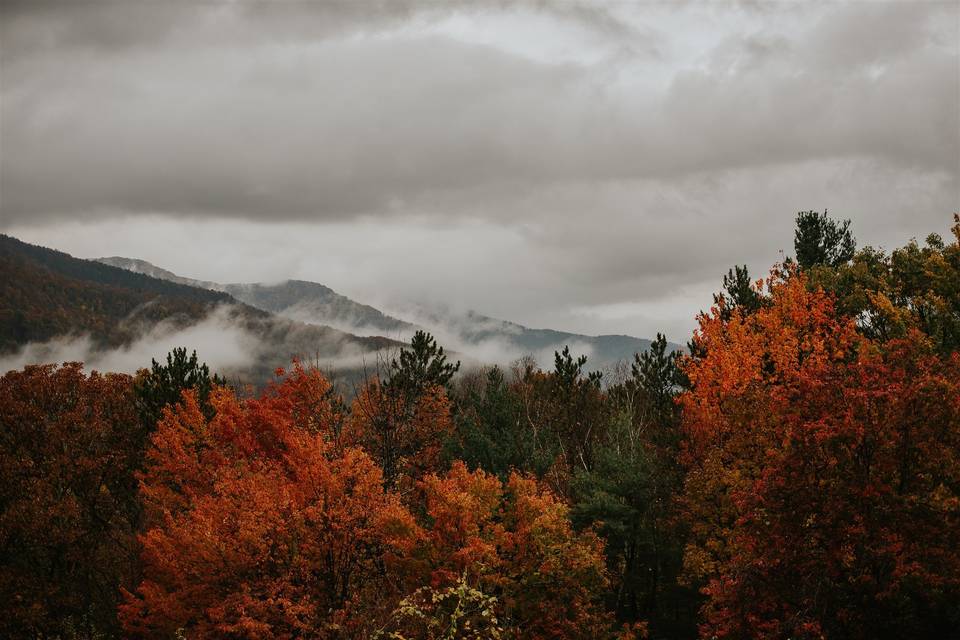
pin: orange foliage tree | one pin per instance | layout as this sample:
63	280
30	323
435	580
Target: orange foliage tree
260	526
515	540
403	432
823	475
265	522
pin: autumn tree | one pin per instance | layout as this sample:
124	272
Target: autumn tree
403	418
404	434
259	525
263	523
514	541
163	385
68	447
822	475
725	427
457	612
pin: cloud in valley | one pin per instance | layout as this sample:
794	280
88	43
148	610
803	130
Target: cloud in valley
219	342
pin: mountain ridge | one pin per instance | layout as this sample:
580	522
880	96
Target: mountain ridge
465	332
54	307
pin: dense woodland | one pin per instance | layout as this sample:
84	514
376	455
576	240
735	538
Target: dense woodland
794	474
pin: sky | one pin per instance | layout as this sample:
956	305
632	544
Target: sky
586	166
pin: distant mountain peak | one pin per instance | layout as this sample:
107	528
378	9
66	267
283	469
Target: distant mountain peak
118	313
467	332
300	300
137	265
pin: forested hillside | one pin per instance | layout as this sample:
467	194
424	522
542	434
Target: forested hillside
794	474
300	300
313	302
46	293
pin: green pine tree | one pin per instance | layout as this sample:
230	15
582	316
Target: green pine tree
821	240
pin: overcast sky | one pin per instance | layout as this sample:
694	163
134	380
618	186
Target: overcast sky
593	167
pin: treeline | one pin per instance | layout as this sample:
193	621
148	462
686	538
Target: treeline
795	474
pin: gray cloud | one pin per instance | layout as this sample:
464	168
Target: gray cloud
299	128
124	26
553	157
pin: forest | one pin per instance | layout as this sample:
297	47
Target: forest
794	473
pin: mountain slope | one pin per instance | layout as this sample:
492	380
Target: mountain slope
486	333
471	334
143	267
299	300
312	302
46	293
49	299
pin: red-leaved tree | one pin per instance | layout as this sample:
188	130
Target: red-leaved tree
69	443
260	527
264	522
823	475
515	540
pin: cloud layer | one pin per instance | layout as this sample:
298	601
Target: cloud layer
547	163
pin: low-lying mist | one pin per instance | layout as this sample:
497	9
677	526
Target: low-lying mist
220	340
247	349
473	338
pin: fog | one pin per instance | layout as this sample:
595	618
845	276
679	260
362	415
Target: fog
218	339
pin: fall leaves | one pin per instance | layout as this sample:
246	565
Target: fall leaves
799	469
263	523
822	476
68	500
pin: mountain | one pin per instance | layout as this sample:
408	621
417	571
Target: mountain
54	307
312	302
299	300
46	293
145	268
471	334
492	335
